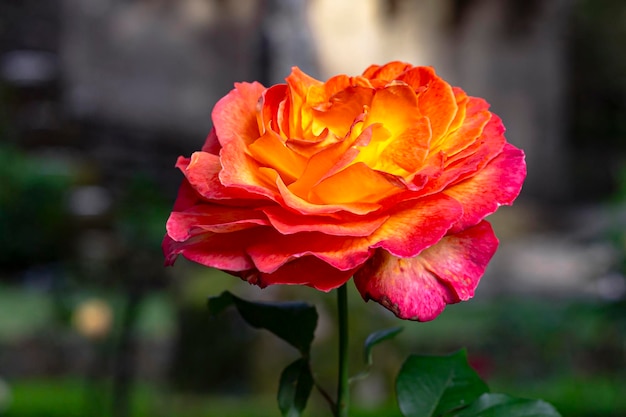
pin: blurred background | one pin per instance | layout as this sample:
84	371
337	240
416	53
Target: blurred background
99	97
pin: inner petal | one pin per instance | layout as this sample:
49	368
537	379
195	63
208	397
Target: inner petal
356	183
270	151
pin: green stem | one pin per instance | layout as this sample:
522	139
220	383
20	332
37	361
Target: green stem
343	387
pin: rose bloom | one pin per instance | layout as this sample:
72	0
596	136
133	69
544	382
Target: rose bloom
386	177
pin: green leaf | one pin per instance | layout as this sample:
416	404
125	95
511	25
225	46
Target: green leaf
294	322
500	405
296	383
375	338
433	385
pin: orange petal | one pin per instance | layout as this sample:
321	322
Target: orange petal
270	115
477	116
303	206
236	127
328	161
394	109
438	103
357	183
300	118
341	110
270	150
409	149
387	72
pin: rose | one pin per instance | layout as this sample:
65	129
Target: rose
386	176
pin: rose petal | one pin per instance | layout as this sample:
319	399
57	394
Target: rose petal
387	72
417	224
287	222
476	118
303	206
436	98
212	144
187	196
270	150
342	187
218	250
269	116
275	250
409	149
236	127
235	115
498	183
341	110
202	171
182	225
309	271
419	288
329	161
300	114
470	160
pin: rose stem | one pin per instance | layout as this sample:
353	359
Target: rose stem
343	392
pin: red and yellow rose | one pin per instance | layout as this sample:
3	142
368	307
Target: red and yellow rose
386	177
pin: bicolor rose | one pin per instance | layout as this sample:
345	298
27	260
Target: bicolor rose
387	177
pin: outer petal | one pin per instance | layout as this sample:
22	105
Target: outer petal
275	250
309	271
203	218
202	172
236	126
472	159
287	222
212	144
187	196
223	251
417	224
235	115
419	288
500	182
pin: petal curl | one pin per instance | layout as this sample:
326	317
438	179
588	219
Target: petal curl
202	172
203	218
419	288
